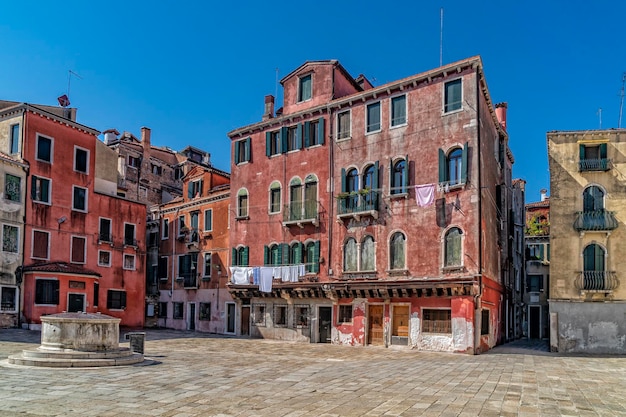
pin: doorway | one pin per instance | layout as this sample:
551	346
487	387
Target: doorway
375	325
325	320
230	317
400	326
191	316
245	320
75	303
534	322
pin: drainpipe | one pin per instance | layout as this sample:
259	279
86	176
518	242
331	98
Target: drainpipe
173	239
478	297
331	171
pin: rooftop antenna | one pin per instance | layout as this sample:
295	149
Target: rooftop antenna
276	87
621	103
441	37
599	113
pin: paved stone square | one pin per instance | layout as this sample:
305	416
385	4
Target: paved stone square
193	374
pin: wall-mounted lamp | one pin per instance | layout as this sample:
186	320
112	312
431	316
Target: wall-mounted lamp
61	219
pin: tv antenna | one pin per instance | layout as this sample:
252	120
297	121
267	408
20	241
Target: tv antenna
64	100
621	103
599	113
441	37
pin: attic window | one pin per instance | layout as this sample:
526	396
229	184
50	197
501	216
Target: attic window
156	169
305	88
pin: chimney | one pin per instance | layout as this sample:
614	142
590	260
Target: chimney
269	107
110	136
544	195
145	138
501	114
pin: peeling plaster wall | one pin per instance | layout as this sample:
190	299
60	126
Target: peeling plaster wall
591	327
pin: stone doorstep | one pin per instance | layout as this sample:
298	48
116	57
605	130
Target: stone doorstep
76	354
76	363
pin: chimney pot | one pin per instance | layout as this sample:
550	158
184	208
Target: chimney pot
544	195
269	107
501	114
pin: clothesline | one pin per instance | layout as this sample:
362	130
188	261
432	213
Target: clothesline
263	276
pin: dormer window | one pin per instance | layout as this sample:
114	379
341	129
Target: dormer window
305	88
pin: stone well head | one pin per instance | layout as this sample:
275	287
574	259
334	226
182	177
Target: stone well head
80	331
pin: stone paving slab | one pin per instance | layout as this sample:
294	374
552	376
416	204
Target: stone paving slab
192	374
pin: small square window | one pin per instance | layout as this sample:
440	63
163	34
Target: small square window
14	146
345	314
104	258
10	238
47	291
12	188
40	191
301	313
133	161
8	299
44	149
116	300
129	262
373	117
280	315
79	199
305	88
81	160
178	310
156	169
205	311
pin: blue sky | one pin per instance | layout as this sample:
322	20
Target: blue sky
194	70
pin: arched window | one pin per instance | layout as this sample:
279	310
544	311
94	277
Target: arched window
350	255
312	256
295	199
594	267
452	248
240	256
370	182
397	251
295	253
455	166
242	203
310	197
399	177
368	259
352	185
275	255
275	193
593	199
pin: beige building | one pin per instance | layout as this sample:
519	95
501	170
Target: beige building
587	240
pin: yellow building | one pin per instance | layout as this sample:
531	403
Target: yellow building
588	240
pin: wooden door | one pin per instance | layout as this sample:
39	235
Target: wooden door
375	325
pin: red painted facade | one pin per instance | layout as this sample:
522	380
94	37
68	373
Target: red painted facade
83	266
390	270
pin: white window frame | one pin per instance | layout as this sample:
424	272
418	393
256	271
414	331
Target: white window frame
443	97
84	249
406	111
165	231
110	231
300	78
280	197
86	209
443	248
103	264
167	268
134	233
39	135
204	275
380	115
130	256
349	111
32	245
46	279
16	139
18	237
210	228
49	202
76	149
15	300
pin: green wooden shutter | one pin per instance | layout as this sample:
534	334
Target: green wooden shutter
190	190
237	152
375	184
233	259
299	136
266	255
405	175
268	143
443	168
33	188
343	180
316	257
541	252
603	151
320	131
285	251
307	133
248	149
244	256
283	139
279	252
581	150
123	299
464	164
297	253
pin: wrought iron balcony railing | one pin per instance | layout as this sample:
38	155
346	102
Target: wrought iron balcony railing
597	281
595	220
301	212
189	280
105	237
603	164
358	203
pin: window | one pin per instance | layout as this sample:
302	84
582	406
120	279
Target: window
116	300
162	268
275	255
129	234
310	197
534	252
208	220
79	198
398	111
272	143
240	256
295	253
275	194
345	314
368	254
81	160
40	244
12	188
40	191
242	151
194	218
373	117
10	238
593	158
178	173
305	88
47	291
205	311
344	127
437	321
453	166
208	264
534	283
350	256
187	267
96	294
105	230
195	189
104	258
295	199
396	251
593	199
399	177
178	310
349	187
129	262
242	203
134	161
452	250
594	267
301	315
8	297
258	315
181	226
452	96
484	322
314	132
156	169
294	137
162	309
312	256
14	145
280	315
44	149
78	250
166	229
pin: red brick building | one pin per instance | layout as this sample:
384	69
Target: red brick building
193	254
395	198
84	247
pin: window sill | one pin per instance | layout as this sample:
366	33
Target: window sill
163	279
396	272
405	124
104	266
373	132
206	279
46	203
344	139
242	163
446	113
447	188
450	269
242	218
315	145
398	196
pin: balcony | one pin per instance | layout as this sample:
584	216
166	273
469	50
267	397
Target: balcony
603	164
301	213
356	205
597	220
597	281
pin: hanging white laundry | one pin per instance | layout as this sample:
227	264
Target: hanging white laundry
265	279
294	273
240	275
425	194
